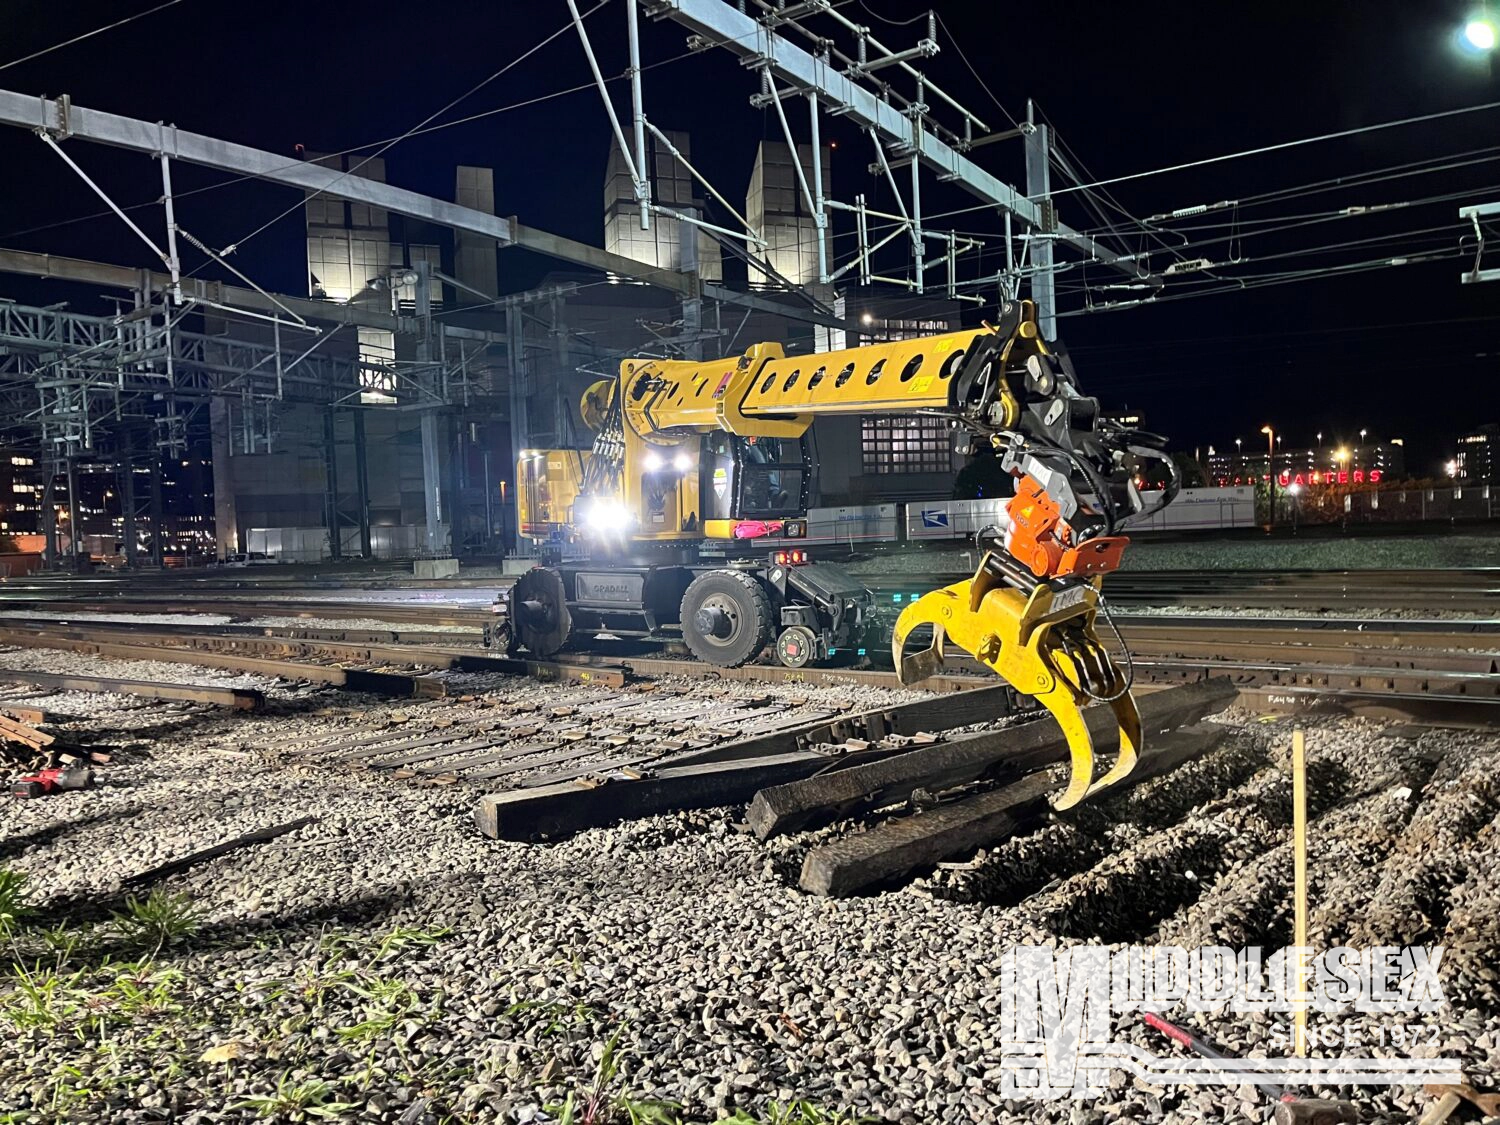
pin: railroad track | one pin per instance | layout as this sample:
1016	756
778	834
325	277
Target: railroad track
1440	663
1474	591
1461	591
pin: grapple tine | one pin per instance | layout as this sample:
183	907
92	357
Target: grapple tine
1128	719
1064	708
1045	650
935	609
919	665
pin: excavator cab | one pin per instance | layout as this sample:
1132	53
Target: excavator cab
753	483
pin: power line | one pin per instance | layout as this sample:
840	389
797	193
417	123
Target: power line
1156	346
87	35
894	23
1264	281
983	85
420	131
425	121
1284	145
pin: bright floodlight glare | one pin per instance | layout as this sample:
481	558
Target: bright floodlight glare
606	515
682	462
1480	34
653	462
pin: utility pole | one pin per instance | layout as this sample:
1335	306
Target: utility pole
432	480
362	482
1039	191
331	484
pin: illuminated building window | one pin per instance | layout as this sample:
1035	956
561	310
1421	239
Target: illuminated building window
910	444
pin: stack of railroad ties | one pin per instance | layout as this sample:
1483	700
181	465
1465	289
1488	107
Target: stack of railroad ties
959	792
54	767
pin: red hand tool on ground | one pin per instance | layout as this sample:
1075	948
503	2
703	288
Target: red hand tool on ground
49	781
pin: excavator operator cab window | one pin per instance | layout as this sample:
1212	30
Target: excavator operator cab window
773	478
753	478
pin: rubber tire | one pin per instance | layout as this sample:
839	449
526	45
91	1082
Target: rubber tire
755	626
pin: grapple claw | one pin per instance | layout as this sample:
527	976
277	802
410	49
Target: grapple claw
1042	644
931	609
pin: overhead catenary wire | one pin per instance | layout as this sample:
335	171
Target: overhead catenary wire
88	35
1283	145
388	145
291	163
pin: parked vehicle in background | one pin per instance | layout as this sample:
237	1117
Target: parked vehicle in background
248	558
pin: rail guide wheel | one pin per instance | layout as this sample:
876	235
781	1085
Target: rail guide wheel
539	610
796	646
726	618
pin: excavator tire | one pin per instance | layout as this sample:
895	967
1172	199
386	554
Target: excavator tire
726	618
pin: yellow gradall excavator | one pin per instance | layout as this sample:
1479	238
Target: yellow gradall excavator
689	508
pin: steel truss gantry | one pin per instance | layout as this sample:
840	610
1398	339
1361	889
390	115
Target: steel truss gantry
1474	214
65	371
904	132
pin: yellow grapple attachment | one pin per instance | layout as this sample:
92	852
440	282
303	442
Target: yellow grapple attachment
1042	644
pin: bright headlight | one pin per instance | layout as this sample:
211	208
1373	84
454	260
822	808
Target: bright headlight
653	462
607	515
682	462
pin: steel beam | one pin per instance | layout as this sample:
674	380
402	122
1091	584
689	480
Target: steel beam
751	40
51	266
1039	186
60	118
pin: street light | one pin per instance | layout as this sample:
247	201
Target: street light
1271	468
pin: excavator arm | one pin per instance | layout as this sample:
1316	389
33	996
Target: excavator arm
1029	612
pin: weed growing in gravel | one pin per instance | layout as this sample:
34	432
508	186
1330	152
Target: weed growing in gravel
13	908
297	1101
139	992
156	921
387	1002
598	1104
403	938
560	1017
41	999
796	1113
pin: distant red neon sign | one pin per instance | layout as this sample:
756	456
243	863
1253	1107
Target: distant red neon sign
1342	476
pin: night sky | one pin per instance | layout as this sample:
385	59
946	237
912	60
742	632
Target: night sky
1404	352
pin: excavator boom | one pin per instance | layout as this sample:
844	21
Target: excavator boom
695	451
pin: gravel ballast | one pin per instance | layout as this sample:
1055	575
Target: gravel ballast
387	964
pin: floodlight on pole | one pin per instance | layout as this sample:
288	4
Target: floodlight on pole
1271	468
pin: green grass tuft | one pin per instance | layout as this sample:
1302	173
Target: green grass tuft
297	1101
13	908
156	921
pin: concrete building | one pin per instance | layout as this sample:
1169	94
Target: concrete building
672	187
1385	459
1477	460
775	206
